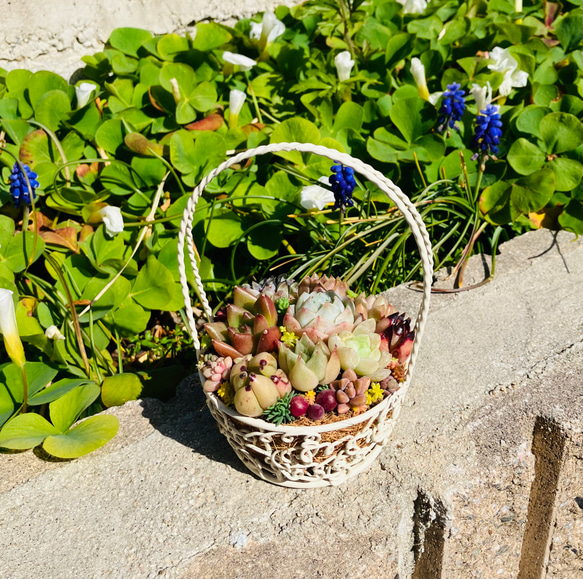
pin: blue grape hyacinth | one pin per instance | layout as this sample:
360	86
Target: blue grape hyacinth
343	184
19	188
488	131
452	108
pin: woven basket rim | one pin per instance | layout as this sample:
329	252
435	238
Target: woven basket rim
259	423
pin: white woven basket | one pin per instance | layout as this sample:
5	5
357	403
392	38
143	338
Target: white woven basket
312	456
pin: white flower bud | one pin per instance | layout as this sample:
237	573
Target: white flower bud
83	92
344	64
482	95
9	328
112	219
418	72
53	333
243	62
236	100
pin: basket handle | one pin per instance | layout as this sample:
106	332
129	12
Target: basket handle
393	192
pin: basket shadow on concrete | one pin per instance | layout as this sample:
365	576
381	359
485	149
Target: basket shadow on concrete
187	420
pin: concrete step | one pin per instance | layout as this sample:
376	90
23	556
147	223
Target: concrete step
481	479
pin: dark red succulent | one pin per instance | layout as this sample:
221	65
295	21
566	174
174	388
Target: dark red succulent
250	326
397	336
327	400
298	406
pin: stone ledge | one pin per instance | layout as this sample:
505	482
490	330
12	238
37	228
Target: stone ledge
450	493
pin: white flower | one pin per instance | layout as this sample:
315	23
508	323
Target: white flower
243	62
9	328
418	72
112	219
316	197
434	97
83	92
344	64
413	6
236	100
256	29
505	63
271	27
53	333
482	95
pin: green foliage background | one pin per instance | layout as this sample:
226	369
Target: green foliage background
157	123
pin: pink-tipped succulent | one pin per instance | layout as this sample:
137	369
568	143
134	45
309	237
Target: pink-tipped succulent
376	307
250	326
350	392
397	337
215	371
315	283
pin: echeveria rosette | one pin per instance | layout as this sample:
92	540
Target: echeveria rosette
309	364
452	107
377	308
19	187
360	350
250	326
319	315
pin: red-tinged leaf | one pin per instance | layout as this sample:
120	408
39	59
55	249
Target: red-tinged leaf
84	169
140	144
65	237
269	340
253	128
213	122
223	349
85	232
35	148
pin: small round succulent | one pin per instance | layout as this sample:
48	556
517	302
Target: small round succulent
350	392
215	370
298	406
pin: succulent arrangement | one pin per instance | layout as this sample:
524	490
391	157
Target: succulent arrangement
283	350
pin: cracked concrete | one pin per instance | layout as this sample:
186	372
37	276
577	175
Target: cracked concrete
168	497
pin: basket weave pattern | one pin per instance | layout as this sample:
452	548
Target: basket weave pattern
321	455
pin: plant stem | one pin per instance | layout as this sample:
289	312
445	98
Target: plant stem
75	318
467	253
24	390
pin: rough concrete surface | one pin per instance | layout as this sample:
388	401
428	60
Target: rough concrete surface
55	34
456	493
